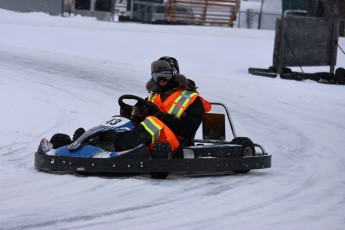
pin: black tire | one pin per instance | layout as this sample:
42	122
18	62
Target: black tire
339	76
59	139
159	175
286	70
248	149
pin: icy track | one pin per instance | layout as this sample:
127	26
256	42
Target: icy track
58	74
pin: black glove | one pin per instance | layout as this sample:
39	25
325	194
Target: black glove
153	110
125	111
137	115
78	134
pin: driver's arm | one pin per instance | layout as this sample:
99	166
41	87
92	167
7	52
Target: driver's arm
189	122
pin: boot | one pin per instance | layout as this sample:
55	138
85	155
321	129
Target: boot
161	150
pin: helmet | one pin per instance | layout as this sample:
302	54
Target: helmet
173	63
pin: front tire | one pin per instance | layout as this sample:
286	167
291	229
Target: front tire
159	175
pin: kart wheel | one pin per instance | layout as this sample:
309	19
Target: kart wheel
248	149
339	76
59	139
159	175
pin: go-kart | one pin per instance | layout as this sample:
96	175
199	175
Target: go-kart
94	151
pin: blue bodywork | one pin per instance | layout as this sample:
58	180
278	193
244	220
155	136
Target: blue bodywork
80	148
87	151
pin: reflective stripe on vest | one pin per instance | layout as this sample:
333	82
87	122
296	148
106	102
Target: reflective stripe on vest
180	103
153	128
153	125
152	96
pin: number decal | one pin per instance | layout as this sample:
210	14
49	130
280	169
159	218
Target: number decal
113	121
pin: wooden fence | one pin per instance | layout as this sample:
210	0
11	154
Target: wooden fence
203	12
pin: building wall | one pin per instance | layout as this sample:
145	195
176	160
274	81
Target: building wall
53	7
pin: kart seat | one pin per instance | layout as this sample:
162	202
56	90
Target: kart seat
213	127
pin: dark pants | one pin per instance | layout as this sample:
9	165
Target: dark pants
133	138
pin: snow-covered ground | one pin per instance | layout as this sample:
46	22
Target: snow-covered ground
57	74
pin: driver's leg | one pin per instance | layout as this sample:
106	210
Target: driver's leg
133	139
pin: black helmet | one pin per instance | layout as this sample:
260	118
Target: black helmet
173	63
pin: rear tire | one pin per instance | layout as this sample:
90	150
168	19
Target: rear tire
248	149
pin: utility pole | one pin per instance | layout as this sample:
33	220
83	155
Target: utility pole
260	15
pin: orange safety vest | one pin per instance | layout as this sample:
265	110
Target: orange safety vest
175	104
178	102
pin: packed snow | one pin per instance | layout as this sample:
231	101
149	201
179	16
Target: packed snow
58	74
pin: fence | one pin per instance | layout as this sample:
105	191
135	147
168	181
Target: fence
251	19
203	12
197	12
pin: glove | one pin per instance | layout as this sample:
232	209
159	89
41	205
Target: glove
153	110
125	111
78	134
137	115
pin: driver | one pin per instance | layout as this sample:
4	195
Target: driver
173	113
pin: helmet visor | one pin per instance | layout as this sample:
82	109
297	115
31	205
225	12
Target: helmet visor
164	75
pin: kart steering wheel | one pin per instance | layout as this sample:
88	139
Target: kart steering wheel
136	113
131	97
